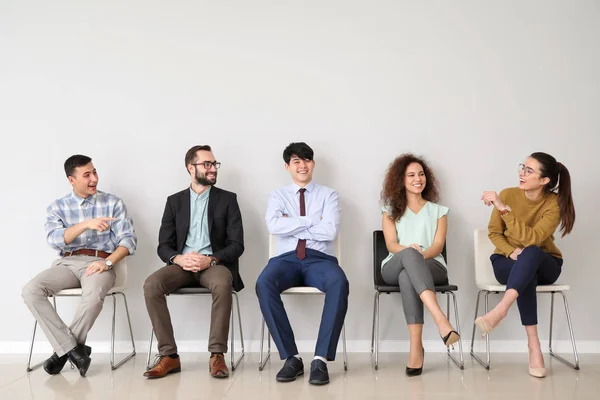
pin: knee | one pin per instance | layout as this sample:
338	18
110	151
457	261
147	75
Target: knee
221	286
533	250
412	253
94	296
340	284
263	284
32	290
153	287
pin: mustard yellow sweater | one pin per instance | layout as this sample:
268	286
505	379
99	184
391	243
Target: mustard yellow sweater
530	223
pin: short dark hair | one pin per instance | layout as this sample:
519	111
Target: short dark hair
298	149
75	161
190	156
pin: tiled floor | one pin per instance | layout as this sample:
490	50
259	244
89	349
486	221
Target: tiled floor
441	379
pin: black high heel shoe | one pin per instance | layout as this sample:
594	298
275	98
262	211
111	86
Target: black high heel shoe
451	338
416	371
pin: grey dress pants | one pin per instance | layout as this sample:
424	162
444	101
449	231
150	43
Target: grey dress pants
413	274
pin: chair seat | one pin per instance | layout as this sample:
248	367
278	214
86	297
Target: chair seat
192	290
539	289
396	289
302	290
78	291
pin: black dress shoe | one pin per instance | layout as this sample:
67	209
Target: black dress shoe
55	364
318	373
80	359
416	371
293	368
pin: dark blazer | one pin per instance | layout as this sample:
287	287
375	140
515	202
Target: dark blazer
224	225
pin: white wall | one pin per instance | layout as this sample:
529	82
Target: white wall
471	85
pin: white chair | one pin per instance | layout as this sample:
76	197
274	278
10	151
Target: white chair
487	283
118	289
302	290
202	291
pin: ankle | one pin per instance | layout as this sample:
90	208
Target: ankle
534	347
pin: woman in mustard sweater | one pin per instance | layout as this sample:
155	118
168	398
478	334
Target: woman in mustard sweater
521	227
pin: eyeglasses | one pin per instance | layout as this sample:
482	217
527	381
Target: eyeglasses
208	164
526	170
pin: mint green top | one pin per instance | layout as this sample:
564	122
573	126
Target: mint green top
198	238
418	228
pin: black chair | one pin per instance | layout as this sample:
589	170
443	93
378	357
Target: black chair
380	252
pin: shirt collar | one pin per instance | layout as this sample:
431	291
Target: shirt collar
80	200
195	196
309	188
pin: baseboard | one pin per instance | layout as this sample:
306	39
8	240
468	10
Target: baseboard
307	346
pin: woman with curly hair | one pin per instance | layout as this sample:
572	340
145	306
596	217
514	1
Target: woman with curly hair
415	229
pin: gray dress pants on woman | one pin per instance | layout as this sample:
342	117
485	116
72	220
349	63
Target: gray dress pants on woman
413	274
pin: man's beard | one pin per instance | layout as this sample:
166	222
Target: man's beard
202	180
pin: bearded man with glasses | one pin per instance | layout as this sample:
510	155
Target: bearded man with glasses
200	239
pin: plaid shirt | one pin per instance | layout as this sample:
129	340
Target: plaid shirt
72	209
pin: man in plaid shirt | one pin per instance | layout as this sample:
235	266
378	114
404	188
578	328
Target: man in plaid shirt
92	232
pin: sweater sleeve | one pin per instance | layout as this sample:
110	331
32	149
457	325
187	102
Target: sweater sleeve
496	228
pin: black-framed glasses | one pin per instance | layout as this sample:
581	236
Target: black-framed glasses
208	164
526	170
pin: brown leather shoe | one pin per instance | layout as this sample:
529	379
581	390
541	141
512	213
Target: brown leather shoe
165	365
217	366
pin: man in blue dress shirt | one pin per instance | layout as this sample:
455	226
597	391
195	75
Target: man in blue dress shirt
305	218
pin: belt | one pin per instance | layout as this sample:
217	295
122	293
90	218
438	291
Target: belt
87	252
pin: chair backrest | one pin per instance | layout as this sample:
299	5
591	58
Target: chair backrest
484	248
336	243
121	273
380	252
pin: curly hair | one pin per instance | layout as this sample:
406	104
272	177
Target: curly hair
394	190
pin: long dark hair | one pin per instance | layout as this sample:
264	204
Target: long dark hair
394	191
560	181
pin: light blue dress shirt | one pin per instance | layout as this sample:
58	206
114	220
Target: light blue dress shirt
319	227
198	238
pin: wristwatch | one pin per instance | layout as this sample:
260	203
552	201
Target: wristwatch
213	261
108	263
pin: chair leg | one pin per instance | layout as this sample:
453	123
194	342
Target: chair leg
114	365
344	346
150	350
236	362
31	347
29	367
461	363
263	359
574	346
486	365
375	332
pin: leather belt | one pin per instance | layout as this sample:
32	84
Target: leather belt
87	252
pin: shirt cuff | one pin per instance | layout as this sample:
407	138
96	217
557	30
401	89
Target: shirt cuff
508	217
